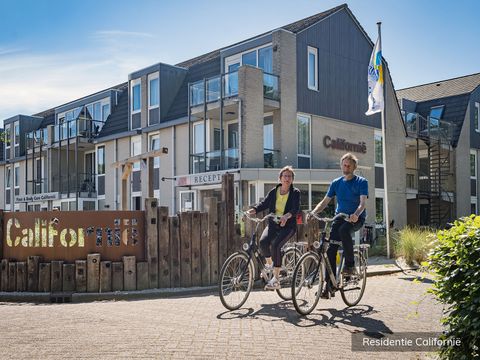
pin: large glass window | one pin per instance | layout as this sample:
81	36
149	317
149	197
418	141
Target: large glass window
154	98
312	68
198	138
379	210
105	111
473	165
101	160
436	112
378	149
136	98
265	59
303	131
249	58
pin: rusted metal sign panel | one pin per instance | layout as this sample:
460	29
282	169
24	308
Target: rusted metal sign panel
71	235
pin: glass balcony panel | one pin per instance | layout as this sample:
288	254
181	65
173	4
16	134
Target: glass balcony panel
231	84
213	89
270	86
196	93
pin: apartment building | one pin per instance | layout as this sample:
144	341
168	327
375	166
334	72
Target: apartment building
296	95
442	149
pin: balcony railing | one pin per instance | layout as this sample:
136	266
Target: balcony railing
37	186
429	127
230	161
36	138
209	89
271	158
84	128
86	186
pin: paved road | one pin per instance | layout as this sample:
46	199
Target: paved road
199	327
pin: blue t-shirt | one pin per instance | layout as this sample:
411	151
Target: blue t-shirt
348	194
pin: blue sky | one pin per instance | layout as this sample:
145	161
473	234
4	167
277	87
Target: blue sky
54	51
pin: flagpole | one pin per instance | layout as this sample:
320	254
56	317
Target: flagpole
384	151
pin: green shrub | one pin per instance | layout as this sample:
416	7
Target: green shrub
413	244
455	261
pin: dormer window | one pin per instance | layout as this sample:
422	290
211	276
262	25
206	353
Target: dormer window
135	104
153	99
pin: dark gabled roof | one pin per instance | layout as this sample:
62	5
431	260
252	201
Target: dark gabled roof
440	89
294	27
117	121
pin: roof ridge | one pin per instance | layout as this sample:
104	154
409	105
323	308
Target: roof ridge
438	81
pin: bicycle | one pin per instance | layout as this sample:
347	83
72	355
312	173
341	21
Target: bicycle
238	271
308	277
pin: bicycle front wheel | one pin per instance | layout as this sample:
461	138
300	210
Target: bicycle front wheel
236	280
289	261
353	286
307	283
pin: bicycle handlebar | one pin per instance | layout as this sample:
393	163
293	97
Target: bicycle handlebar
257	220
328	220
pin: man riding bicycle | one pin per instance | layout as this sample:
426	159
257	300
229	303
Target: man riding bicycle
351	192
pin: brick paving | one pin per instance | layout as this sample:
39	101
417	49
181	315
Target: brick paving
198	327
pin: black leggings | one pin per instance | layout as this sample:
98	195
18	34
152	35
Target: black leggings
272	240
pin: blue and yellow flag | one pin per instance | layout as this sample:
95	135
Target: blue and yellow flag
375	80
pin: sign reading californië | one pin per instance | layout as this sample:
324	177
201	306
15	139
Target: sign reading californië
72	235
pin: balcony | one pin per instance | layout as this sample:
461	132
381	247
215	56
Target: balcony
79	128
86	186
36	139
428	128
213	158
209	90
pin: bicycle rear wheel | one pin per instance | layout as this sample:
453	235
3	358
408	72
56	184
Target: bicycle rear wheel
236	280
289	261
307	283
353	286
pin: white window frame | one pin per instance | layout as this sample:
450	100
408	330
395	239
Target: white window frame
152	77
133	84
474	153
195	199
237	58
477	110
16	125
8	140
156	160
8	186
15	184
314	51
97	175
309	156
135	167
377	134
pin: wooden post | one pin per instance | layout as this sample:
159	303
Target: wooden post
105	276
12	272
56	277
163	248
81	275
32	270
68	283
211	208
174	229
21	276
117	276
93	272
142	275
228	197
205	249
44	276
4	276
222	235
151	235
196	250
129	273
186	249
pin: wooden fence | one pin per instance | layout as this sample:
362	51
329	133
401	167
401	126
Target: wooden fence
184	250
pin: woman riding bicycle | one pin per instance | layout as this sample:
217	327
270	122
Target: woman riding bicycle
284	201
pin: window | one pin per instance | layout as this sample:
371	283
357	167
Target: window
16	139
312	68
105	112
155	145
473	164
101	160
17	179
259	57
268	151
198	138
473	208
7	135
136	185
378	149
153	89
249	58
265	59
476	116
216	139
136	97
303	132
436	112
379	210
8	184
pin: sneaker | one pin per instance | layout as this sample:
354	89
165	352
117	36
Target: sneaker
326	294
273	284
